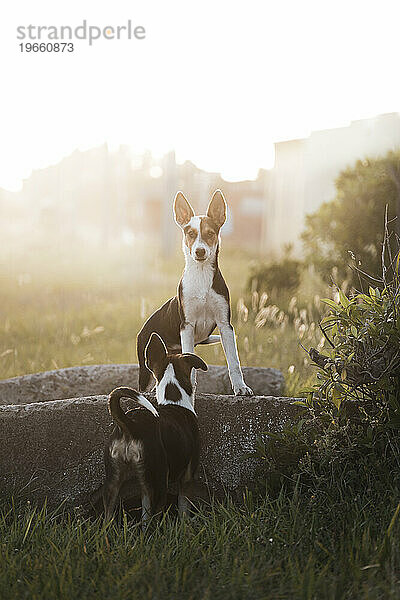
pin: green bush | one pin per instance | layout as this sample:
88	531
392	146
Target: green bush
364	361
353	445
277	276
353	220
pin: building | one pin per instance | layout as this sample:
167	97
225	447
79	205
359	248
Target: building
305	171
111	198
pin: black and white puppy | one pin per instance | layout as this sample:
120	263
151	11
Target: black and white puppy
157	446
202	302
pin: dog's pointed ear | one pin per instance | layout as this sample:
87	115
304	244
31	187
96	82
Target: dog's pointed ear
195	362
217	209
155	352
183	212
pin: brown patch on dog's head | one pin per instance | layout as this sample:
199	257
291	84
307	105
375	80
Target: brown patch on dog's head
191	235
209	231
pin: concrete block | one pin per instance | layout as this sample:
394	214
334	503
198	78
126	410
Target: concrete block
54	449
101	379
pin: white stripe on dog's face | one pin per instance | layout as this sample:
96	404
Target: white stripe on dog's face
169	377
200	239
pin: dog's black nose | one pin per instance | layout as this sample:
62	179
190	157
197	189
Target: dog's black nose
200	253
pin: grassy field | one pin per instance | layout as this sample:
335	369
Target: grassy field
330	534
296	546
65	309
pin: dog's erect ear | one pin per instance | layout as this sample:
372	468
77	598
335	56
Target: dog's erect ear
217	208
183	212
195	362
155	352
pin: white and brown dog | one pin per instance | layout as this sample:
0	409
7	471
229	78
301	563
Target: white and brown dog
202	302
159	445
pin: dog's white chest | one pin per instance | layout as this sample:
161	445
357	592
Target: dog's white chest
203	307
199	312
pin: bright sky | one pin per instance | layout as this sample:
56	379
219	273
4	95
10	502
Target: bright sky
217	80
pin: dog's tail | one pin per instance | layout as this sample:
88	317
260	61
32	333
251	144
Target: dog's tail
115	410
212	339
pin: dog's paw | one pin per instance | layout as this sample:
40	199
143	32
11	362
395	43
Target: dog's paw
242	389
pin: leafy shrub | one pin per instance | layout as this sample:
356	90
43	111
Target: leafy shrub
283	275
352	444
330	460
364	334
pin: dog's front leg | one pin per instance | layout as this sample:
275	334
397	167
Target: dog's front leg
187	342
187	338
235	372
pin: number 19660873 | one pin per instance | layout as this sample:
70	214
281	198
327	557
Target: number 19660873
47	47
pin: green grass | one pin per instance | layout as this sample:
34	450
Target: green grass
324	536
60	310
259	549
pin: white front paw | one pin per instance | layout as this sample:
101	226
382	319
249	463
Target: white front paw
241	389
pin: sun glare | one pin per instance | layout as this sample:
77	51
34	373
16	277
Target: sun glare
219	93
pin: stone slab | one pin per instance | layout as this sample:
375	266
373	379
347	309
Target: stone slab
54	449
101	379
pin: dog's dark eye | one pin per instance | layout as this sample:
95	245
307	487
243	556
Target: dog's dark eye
192	235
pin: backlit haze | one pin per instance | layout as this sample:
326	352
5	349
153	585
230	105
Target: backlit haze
219	82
